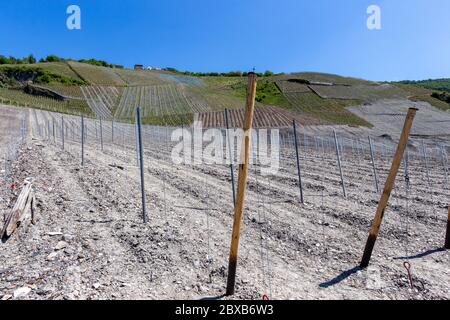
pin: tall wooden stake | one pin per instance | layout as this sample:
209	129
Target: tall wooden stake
242	183
382	204
447	237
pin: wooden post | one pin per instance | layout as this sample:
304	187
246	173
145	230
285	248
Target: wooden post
382	204
242	183
24	203
447	237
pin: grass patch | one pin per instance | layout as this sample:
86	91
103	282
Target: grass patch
441	105
38	75
19	98
169	120
332	111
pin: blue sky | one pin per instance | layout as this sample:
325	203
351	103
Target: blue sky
210	35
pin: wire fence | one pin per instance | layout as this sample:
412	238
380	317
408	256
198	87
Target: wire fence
322	177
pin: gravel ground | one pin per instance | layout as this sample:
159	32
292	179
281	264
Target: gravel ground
90	242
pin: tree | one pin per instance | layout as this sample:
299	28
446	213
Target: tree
53	58
30	59
268	73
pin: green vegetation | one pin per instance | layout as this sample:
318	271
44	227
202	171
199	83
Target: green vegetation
61	68
329	110
267	92
436	85
99	63
11	60
239	74
38	75
441	96
169	119
171	97
19	98
419	93
96	75
325	77
441	105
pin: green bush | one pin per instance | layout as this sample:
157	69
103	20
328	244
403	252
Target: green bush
24	73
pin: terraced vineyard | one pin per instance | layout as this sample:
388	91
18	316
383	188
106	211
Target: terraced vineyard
161	100
19	98
332	111
59	68
101	99
265	117
73	92
172	98
359	92
289	87
140	78
326	78
97	75
188	80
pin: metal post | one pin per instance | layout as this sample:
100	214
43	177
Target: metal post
62	132
444	165
231	158
338	155
136	138
375	175
82	140
300	186
54	136
112	131
425	158
141	160
101	134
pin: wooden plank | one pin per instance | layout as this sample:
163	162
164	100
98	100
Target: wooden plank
24	203
389	185
242	183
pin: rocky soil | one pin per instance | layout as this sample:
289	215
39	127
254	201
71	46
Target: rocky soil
90	241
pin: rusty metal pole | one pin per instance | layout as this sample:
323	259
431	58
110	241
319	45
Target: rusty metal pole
242	183
382	204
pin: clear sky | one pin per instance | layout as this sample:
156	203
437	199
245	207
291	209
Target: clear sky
224	35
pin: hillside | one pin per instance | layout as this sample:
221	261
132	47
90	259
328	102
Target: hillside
173	98
437	84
